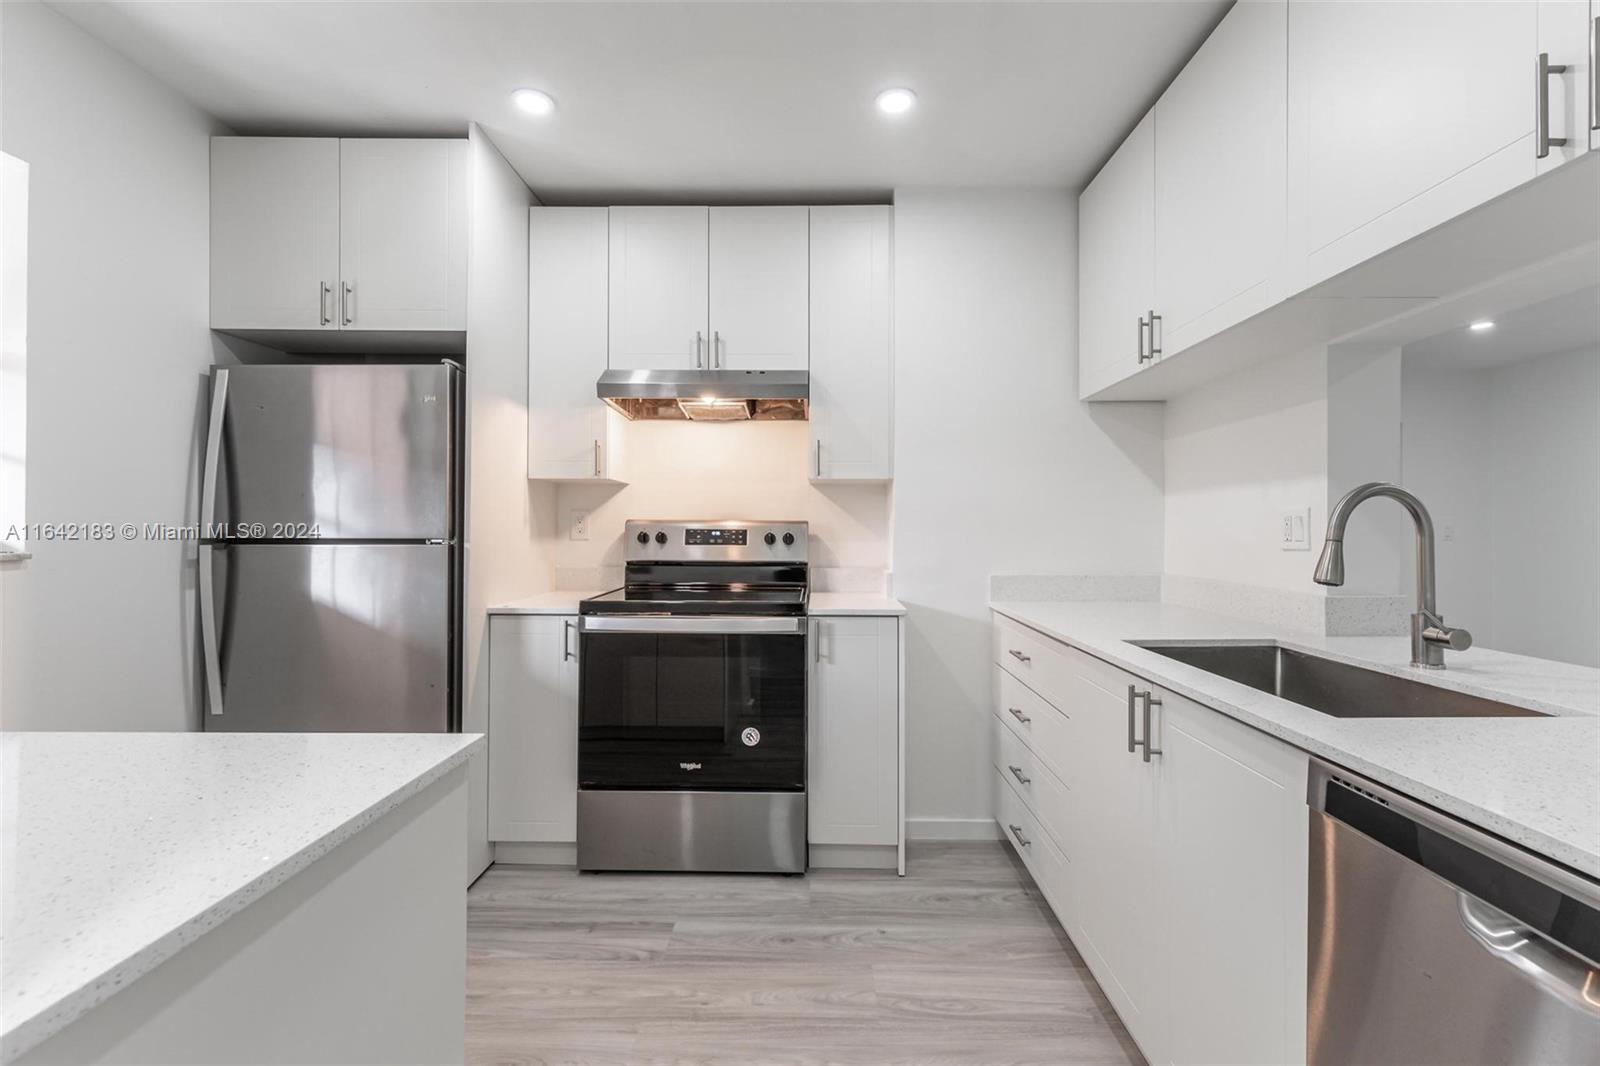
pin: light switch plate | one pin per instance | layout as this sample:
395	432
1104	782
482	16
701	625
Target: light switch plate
1295	532
580	525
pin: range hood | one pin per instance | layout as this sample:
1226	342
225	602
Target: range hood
708	395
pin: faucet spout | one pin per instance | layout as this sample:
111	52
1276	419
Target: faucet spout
1429	635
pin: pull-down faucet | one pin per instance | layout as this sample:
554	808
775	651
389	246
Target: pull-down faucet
1429	635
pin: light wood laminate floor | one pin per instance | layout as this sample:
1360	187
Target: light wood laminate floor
960	961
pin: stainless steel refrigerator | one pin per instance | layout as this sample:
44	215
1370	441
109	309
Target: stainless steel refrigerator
330	555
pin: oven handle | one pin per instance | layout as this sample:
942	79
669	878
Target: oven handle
701	624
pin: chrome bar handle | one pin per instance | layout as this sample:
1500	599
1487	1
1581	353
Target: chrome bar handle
1155	349
1594	76
819	456
210	642
213	458
1017	655
699	347
323	317
716	349
597	457
816	644
566	640
1016	771
1144	324
1131	742
1016	831
1018	715
1149	701
347	303
1542	141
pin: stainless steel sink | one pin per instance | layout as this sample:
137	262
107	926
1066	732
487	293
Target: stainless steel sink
1334	688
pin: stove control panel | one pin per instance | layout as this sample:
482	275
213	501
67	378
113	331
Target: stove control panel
728	541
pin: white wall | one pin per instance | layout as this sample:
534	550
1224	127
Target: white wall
998	467
101	635
508	516
1508	460
752	470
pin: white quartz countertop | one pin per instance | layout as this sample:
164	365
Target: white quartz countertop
120	849
1534	781
822	603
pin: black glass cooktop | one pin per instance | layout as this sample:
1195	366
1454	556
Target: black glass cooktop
698	599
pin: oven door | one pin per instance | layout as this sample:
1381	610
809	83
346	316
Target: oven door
704	703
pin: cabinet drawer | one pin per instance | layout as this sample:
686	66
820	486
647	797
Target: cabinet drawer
1045	730
1032	657
1050	868
1040	788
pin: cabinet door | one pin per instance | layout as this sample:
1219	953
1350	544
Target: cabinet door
758	288
1406	114
570	431
1119	900
403	234
1221	157
852	770
274	232
1116	262
1233	856
533	728
852	344
1567	33
659	315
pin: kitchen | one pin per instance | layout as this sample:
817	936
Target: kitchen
1092	713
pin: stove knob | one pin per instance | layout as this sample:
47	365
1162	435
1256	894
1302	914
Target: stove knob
644	538
661	538
788	538
770	538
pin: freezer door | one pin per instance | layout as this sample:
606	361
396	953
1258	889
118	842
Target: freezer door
328	637
353	452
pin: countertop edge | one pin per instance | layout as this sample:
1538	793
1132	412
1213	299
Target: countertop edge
28	1033
1519	833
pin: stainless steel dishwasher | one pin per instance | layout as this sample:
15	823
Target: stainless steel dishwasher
1434	942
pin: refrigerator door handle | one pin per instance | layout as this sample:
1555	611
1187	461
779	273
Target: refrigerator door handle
210	641
208	479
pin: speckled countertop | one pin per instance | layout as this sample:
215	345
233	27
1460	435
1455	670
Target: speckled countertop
1535	781
120	849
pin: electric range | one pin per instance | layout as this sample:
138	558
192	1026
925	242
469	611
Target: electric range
692	702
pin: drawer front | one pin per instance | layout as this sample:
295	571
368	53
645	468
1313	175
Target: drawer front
1046	731
1032	657
1050	868
1040	788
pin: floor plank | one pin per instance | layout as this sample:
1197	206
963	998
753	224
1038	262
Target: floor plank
961	961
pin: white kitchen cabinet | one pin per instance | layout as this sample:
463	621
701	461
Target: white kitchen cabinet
1116	256
1220	163
758	288
1409	113
572	435
1231	844
853	761
659	315
316	237
533	728
403	234
852	344
275	233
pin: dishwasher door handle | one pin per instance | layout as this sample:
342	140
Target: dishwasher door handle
1553	968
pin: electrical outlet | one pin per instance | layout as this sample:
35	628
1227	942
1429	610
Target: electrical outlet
580	525
1295	534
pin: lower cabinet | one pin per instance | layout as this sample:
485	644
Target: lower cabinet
1185	873
533	728
853	756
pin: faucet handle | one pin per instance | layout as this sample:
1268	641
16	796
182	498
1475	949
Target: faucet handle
1454	639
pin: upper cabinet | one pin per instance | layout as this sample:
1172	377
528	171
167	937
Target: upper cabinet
316	236
572	436
758	285
852	344
1117	247
659	285
1220	143
1408	113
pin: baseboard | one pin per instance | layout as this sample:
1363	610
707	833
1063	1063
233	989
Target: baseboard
853	856
524	853
952	829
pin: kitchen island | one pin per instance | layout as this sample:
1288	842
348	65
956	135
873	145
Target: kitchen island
238	897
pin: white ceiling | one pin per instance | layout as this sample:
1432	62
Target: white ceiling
686	101
1562	324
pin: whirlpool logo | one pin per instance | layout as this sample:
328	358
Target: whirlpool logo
688	766
751	737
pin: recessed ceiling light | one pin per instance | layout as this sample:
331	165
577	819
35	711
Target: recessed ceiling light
1481	325
533	101
896	101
